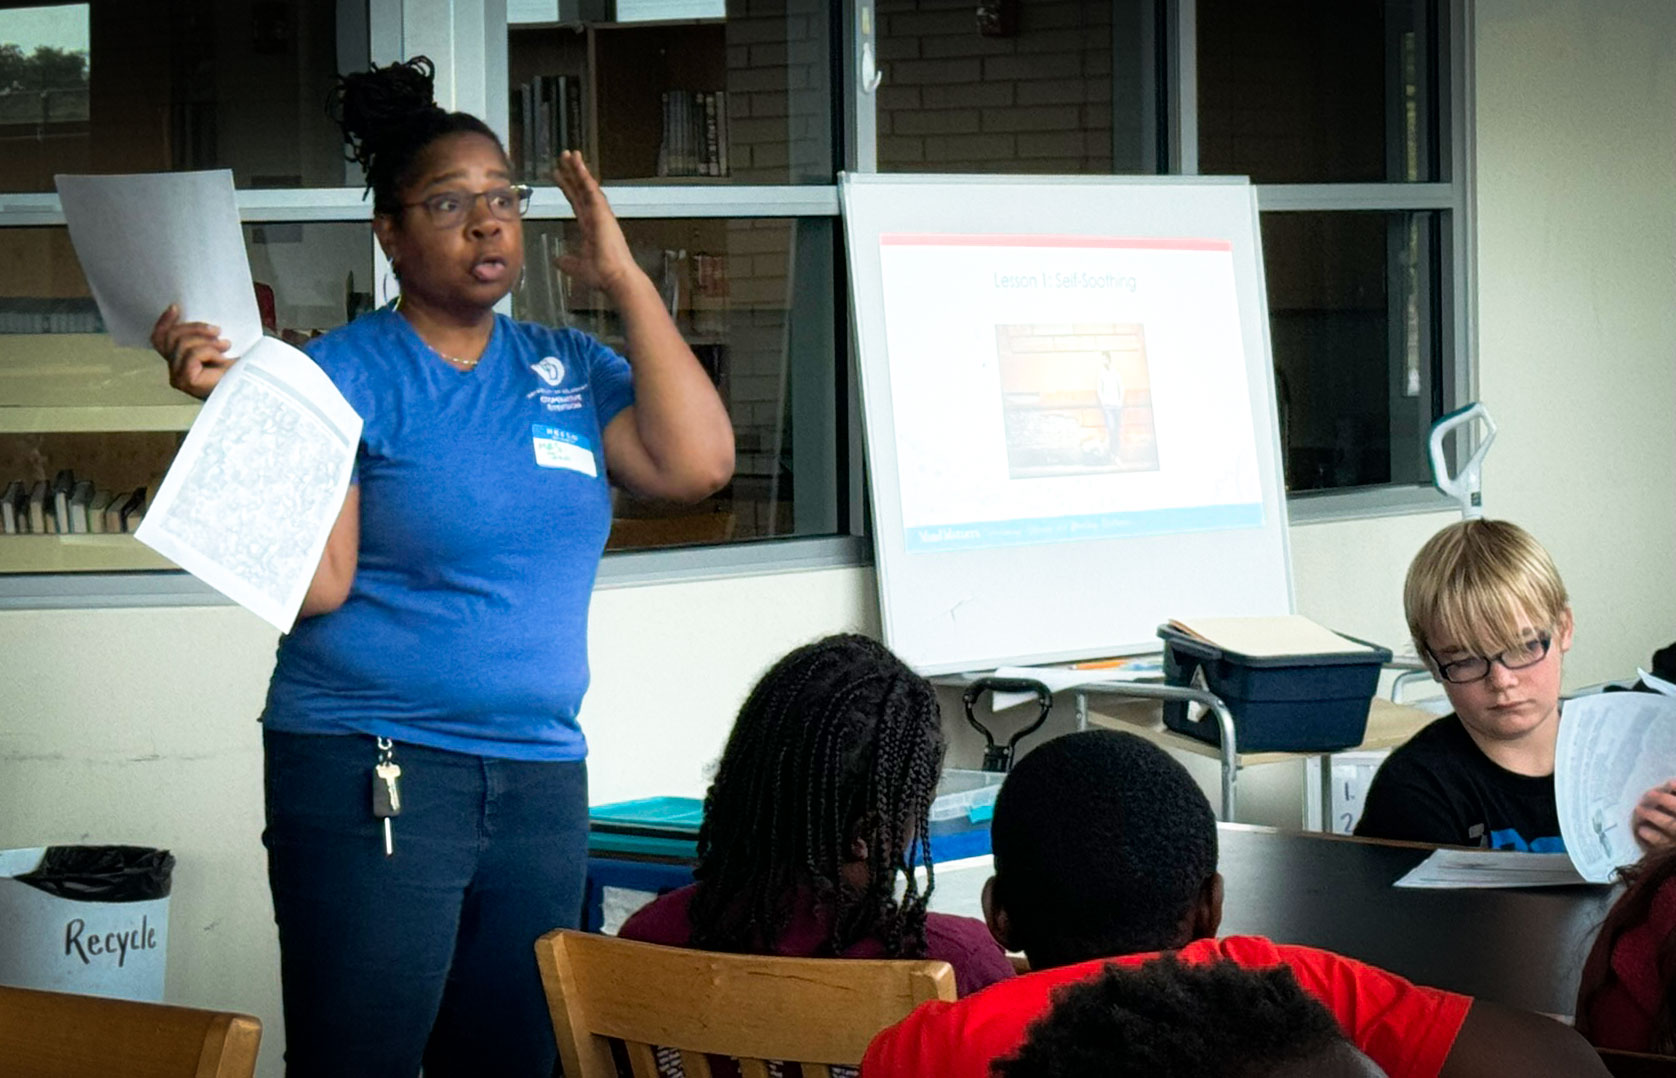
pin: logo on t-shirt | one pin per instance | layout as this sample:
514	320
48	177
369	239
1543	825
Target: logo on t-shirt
549	370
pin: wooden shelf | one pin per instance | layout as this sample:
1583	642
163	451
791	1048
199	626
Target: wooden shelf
81	382
94	418
77	554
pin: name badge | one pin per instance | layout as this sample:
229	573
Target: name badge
558	448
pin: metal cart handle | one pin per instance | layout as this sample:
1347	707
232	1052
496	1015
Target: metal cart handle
1000	757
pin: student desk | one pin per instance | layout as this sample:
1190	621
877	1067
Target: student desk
1521	948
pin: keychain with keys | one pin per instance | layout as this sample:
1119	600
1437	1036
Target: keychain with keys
386	795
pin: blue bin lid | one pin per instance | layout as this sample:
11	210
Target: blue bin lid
650	815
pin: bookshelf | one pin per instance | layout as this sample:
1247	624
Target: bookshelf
74	400
652	107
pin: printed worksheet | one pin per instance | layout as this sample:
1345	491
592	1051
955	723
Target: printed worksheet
1613	747
253	493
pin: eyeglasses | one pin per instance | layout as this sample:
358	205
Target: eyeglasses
449	209
1477	667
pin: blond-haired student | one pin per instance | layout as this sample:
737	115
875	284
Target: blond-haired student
1491	619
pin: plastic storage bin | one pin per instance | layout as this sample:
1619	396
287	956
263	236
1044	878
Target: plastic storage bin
960	813
1287	703
637	850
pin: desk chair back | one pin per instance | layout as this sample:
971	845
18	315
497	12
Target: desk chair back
817	1012
56	1035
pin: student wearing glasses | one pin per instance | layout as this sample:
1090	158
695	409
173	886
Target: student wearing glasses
445	632
1490	618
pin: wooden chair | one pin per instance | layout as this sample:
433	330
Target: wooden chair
55	1035
817	1012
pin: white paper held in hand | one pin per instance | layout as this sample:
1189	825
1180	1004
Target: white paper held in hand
253	493
148	240
1613	747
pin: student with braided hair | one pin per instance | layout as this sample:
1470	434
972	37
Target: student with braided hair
443	641
817	820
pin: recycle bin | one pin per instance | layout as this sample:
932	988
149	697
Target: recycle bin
86	919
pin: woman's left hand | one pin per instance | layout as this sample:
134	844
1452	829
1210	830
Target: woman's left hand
604	261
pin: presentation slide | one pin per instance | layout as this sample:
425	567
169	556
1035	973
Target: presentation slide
1050	389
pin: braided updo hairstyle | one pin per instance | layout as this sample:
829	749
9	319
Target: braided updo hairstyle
839	740
389	116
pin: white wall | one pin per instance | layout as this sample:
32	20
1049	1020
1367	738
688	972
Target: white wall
136	725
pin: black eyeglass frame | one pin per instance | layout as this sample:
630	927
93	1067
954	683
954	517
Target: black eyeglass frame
522	192
1447	670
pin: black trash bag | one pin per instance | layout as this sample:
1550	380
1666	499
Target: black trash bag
103	873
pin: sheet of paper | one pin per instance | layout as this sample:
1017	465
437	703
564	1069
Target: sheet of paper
1288	634
1613	747
1449	869
149	240
253	493
1059	678
1657	684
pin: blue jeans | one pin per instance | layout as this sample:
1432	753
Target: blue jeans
426	956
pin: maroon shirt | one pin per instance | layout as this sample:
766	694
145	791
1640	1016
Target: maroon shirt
962	942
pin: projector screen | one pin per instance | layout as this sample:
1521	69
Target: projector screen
1069	412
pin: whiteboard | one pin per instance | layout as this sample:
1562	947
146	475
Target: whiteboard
1068	409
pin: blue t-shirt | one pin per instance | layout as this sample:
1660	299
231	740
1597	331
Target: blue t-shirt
484	511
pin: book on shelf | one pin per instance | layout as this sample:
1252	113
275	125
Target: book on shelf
14	503
63	485
24	314
133	510
96	507
38	498
694	133
113	511
80	496
545	119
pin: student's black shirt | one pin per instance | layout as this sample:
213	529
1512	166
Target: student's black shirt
1441	788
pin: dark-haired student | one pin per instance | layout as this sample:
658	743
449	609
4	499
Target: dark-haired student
817	819
1627	996
1171	1019
445	631
1105	851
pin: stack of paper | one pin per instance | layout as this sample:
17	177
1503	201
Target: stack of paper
1262	638
1450	869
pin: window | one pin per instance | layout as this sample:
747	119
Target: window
1341	114
719	130
43	68
167	84
730	113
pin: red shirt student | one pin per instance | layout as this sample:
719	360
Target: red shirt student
1407	1030
1105	850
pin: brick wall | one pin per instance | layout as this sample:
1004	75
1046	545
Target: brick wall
953	100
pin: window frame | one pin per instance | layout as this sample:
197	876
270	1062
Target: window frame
1455	197
467	39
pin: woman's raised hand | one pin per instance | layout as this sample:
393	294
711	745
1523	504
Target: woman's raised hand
604	260
196	351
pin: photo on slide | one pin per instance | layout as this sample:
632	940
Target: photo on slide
1076	400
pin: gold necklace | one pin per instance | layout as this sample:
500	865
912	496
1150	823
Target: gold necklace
463	364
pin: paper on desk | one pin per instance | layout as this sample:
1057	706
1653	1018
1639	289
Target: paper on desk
1059	678
1612	748
1454	869
1286	634
149	240
254	490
